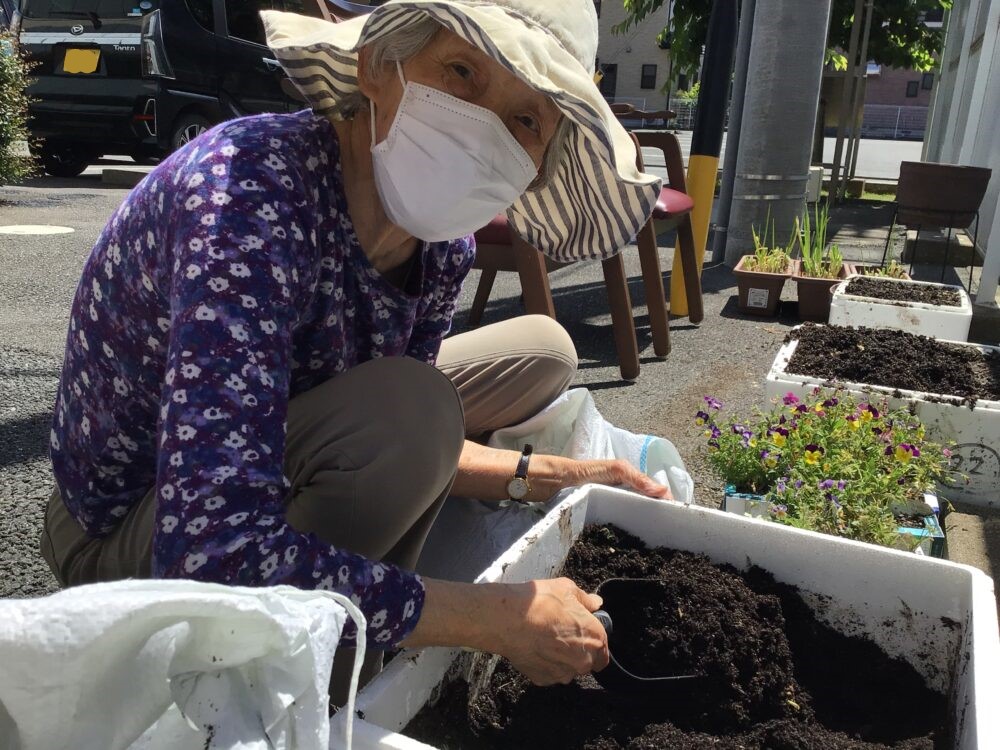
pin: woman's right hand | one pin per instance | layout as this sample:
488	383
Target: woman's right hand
544	628
549	634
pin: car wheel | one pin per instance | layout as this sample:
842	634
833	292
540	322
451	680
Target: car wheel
64	160
187	128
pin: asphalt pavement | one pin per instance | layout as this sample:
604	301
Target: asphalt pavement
726	356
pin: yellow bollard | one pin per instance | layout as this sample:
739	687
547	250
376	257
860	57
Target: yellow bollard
701	177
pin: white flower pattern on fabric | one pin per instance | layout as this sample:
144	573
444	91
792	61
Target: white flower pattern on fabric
207	311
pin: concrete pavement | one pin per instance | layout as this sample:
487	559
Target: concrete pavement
727	356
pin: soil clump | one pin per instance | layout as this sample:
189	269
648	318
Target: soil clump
895	359
872	286
774	677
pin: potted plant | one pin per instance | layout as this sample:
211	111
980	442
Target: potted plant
761	277
938	310
953	388
835	463
894	270
820	266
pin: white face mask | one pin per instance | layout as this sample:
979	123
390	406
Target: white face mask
447	167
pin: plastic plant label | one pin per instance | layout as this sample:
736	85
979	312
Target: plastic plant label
757	298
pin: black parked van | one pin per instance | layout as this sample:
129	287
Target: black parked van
89	95
210	63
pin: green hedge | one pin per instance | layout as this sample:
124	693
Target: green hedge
13	111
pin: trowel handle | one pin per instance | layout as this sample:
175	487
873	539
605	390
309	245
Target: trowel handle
605	619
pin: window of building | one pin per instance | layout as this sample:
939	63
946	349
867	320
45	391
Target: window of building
927	82
682	82
609	83
597	7
912	88
648	77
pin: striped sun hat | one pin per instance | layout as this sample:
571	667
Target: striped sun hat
597	200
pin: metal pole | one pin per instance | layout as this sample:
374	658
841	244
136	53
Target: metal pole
859	92
733	133
779	114
706	140
845	101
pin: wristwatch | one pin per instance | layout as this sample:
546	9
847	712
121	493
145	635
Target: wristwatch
518	487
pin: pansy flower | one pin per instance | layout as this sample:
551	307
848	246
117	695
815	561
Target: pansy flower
790	399
770	460
801	409
868	412
852	421
778	435
904	452
713	445
713	403
701	418
813	454
830	402
779	511
781	486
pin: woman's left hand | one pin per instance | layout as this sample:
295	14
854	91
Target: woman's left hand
484	472
567	472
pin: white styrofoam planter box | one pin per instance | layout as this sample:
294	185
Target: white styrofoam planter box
930	539
975	431
854	587
940	321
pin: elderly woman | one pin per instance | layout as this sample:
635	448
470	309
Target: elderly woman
249	393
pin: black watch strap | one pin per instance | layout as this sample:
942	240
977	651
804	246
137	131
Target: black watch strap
522	464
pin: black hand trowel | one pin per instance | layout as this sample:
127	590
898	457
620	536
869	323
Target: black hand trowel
615	592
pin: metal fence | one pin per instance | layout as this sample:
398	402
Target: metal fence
890	121
686	110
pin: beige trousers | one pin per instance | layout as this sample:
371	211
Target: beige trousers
371	454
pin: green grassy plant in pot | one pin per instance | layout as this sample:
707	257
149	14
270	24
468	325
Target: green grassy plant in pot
820	268
761	277
894	270
832	463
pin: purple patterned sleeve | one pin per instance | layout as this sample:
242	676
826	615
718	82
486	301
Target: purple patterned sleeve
434	322
241	259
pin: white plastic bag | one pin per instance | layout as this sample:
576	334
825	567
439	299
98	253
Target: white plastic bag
469	535
171	664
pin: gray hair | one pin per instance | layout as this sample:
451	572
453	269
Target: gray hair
402	44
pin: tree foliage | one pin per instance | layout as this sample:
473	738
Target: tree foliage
899	38
13	111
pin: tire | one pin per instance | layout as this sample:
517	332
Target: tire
186	129
63	159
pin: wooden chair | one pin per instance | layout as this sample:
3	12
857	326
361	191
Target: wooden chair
939	195
499	249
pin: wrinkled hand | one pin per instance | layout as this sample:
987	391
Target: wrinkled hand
617	472
551	636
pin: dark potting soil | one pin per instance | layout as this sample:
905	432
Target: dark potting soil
895	359
871	286
774	678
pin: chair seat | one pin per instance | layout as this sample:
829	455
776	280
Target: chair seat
671	204
497	232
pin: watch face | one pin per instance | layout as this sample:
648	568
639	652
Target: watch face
517	488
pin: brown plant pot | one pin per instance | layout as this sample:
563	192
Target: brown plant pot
760	292
815	295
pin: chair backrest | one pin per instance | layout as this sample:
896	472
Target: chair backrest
627	112
668	144
943	195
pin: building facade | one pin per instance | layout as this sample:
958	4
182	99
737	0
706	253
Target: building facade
635	68
964	116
